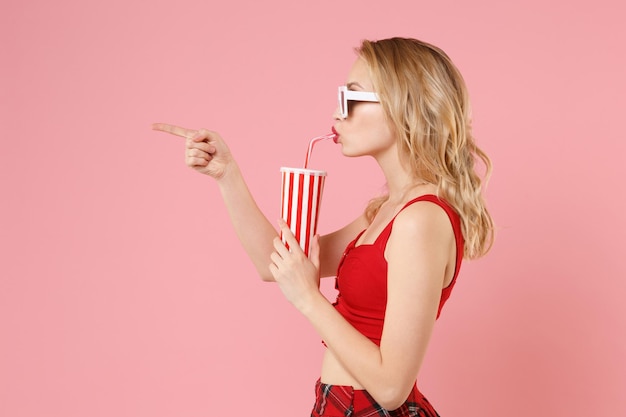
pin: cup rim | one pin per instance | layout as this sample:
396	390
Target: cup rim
303	171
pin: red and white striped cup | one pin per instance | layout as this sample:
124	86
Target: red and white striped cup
300	202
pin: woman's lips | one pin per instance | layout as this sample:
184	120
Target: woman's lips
336	138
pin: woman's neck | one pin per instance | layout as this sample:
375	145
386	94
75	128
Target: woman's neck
400	182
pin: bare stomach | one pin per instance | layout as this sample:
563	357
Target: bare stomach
333	373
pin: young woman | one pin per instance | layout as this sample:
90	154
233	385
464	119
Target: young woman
406	105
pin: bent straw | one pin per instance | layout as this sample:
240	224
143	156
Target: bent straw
312	142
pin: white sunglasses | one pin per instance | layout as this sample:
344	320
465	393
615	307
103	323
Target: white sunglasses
346	95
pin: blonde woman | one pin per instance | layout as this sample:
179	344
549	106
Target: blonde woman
406	105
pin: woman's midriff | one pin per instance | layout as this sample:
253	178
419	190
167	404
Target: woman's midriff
333	373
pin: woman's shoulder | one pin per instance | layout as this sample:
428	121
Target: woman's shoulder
423	219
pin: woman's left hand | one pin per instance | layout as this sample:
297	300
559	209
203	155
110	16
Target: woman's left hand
296	275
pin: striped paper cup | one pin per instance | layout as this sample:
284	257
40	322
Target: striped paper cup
300	202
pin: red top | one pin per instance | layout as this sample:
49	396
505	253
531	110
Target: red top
362	276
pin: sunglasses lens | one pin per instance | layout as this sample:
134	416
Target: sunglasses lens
343	103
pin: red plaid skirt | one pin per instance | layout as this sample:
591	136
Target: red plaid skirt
345	401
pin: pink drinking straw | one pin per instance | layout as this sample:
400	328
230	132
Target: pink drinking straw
332	136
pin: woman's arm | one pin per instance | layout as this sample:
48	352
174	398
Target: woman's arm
207	153
418	252
252	227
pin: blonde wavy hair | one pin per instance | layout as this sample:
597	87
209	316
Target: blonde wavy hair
425	98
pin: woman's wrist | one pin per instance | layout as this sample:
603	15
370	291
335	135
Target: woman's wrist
312	304
229	175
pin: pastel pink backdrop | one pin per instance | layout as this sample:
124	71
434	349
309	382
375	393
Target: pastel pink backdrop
123	290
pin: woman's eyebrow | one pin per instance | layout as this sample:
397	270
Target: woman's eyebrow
353	84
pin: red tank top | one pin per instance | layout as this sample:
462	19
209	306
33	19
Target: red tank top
362	276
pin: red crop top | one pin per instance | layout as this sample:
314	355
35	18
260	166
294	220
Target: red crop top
362	277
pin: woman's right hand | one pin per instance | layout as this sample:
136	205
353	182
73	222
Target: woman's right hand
206	151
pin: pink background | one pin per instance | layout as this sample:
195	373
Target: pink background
123	290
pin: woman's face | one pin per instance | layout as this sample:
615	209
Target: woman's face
366	130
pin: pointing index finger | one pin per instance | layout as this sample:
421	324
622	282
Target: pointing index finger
174	130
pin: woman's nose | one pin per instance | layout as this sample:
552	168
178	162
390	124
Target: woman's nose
337	113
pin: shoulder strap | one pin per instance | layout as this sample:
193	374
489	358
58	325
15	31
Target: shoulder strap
452	215
384	235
